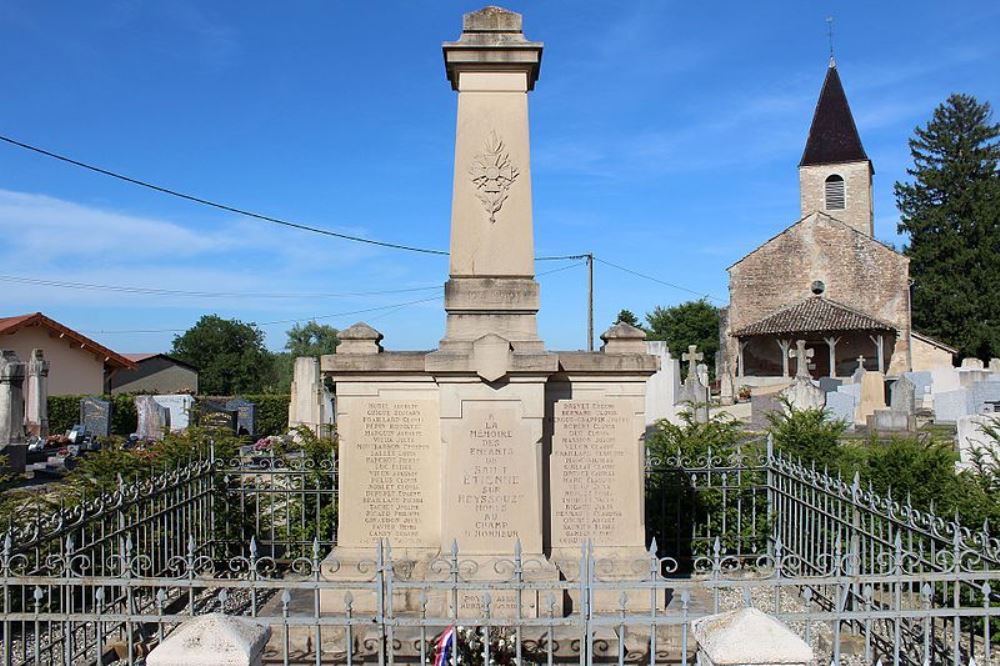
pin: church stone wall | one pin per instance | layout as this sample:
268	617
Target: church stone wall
857	190
856	271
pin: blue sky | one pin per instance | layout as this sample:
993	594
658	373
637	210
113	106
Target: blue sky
665	137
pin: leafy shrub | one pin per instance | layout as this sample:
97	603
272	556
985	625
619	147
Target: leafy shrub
809	434
64	413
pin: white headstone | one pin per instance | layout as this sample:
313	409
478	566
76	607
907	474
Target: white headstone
841	406
180	406
311	403
213	640
972	363
153	419
663	388
804	393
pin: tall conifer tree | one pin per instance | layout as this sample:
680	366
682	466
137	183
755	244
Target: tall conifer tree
951	213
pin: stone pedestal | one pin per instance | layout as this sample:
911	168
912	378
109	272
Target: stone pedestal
12	373
36	416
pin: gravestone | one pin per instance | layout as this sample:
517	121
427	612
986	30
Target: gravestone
903	396
216	416
246	412
95	416
694	395
972	363
951	405
803	393
664	387
841	406
889	420
982	396
36	409
923	382
180	406
153	418
830	384
12	373
762	404
971	436
944	379
872	395
994	365
308	405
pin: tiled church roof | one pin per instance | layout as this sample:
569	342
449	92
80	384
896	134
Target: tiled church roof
833	136
814	315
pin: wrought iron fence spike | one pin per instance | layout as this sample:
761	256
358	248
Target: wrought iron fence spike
653	550
253	548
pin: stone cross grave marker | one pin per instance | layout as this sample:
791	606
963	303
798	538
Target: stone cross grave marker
95	416
692	356
801	356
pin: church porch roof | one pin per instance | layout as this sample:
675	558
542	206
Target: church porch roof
815	314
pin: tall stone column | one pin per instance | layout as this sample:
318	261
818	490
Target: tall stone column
491	366
36	416
11	399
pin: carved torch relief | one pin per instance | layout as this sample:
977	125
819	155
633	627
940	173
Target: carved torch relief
493	174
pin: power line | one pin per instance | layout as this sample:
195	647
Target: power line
155	291
657	280
215	204
279	321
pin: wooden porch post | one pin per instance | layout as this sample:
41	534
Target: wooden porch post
785	346
831	342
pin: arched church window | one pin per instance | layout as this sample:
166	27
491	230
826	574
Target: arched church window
835	199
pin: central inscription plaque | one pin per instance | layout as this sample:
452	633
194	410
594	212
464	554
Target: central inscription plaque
492	498
391	474
594	472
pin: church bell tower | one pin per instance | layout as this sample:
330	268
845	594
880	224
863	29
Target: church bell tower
835	174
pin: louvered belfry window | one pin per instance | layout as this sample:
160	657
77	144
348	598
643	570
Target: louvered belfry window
835	199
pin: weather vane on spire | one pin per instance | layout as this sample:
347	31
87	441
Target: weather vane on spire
829	33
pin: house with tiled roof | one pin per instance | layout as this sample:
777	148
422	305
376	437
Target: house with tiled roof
77	364
825	279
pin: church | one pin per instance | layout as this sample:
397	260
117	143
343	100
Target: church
825	279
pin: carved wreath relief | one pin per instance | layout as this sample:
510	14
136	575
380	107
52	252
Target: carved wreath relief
493	173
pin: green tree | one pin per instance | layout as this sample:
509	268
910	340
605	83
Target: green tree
951	213
229	354
310	339
690	323
628	317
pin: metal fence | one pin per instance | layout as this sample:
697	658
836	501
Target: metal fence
860	577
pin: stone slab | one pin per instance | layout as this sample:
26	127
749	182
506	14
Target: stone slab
841	406
951	405
489	492
392	451
95	416
594	475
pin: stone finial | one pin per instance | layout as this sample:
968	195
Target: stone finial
624	338
492	39
37	365
11	367
213	640
492	19
748	637
360	339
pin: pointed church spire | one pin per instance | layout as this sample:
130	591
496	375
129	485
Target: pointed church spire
833	136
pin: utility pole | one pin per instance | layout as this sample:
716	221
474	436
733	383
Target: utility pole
590	301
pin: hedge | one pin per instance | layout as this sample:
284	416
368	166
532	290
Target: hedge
64	412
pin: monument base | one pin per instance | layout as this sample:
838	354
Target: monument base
614	566
420	583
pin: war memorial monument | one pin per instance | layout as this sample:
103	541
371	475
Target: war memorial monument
491	442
